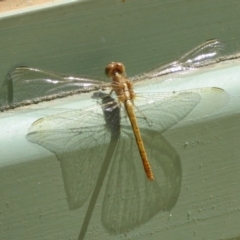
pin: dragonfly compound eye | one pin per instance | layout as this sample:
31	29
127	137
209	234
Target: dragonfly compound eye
113	68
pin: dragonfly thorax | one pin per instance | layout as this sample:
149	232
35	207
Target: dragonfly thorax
120	84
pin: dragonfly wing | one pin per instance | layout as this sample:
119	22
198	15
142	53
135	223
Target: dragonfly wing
26	83
202	55
130	198
79	140
160	111
163	111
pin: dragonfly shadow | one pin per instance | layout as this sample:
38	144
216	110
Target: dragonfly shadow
85	154
130	198
82	141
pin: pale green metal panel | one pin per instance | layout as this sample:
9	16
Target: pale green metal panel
80	38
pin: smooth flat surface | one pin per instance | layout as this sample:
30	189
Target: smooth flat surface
80	38
209	157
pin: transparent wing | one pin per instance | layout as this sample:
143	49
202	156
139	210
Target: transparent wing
25	84
160	111
202	55
30	85
79	140
130	198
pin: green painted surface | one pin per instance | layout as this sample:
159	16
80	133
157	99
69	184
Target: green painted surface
81	38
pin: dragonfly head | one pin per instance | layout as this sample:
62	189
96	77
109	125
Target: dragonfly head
114	68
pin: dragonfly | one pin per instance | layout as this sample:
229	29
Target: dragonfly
29	85
80	140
